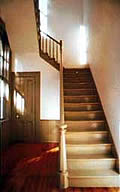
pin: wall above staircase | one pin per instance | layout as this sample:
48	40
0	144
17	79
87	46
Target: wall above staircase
104	57
64	20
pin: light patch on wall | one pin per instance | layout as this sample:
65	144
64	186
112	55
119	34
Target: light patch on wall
43	15
119	131
83	44
16	65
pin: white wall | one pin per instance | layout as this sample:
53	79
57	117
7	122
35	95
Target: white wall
49	88
103	20
21	27
20	23
64	20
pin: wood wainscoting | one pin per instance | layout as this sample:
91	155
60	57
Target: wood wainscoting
49	131
5	134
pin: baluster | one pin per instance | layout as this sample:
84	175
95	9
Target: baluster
57	52
43	43
46	43
53	50
50	47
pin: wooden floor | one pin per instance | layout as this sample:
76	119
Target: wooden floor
48	184
36	172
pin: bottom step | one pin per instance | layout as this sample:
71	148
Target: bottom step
94	178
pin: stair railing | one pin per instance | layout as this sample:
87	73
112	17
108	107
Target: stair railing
63	128
50	46
54	49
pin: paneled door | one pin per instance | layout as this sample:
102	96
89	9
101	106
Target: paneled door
26	105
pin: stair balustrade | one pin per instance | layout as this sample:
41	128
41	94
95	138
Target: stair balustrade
51	51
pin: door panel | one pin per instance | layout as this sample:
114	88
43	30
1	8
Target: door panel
28	85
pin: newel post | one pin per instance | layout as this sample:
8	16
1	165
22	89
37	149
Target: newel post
63	158
63	128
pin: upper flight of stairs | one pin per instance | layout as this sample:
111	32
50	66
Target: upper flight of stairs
89	148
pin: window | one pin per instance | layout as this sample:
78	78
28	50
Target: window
19	103
4	74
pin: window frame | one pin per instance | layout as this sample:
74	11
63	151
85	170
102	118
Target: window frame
5	73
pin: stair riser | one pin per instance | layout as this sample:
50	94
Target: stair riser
78	85
79	150
95	182
84	138
90	164
84	116
80	92
82	107
84	99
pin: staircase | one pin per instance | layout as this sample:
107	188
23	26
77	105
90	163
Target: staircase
86	149
90	159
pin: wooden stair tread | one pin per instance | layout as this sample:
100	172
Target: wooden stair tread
81	89
89	145
78	83
86	132
91	156
84	121
87	142
70	70
90	103
79	96
93	173
99	111
77	92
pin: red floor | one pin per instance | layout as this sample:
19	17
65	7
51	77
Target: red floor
34	168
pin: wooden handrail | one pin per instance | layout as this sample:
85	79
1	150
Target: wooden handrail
50	37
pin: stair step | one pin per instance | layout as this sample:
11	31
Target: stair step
96	125
81	149
87	115
94	178
81	99
82	106
91	156
77	75
74	70
80	164
77	80
80	92
87	137
79	85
